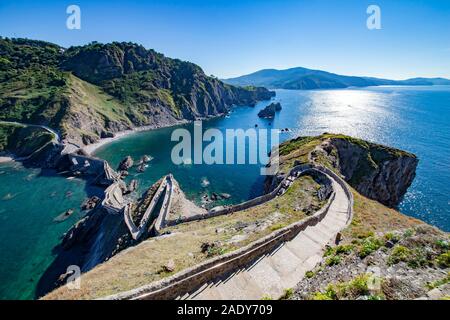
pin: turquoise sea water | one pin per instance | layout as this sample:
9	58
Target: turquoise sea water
412	118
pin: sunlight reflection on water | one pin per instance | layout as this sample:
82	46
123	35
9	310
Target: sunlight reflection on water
353	112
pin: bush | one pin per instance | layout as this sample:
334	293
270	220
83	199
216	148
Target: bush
333	260
355	288
309	274
288	293
439	282
368	246
399	253
391	237
443	260
408	233
345	290
443	244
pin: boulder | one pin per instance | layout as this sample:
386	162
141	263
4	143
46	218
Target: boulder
90	203
269	111
126	164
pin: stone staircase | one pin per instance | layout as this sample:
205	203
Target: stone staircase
285	266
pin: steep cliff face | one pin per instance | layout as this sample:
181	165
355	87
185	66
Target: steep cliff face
92	91
155	83
378	172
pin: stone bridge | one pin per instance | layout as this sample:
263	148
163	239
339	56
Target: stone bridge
166	188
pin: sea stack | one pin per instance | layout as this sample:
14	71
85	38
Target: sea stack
269	111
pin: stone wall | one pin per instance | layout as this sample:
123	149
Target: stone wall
247	204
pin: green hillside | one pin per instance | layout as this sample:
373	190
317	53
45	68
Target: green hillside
93	91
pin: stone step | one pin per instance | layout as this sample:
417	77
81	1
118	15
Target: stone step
331	229
332	226
267	278
232	288
326	232
303	247
312	262
316	235
285	263
248	286
211	293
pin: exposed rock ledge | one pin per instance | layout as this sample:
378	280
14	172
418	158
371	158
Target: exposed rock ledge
378	172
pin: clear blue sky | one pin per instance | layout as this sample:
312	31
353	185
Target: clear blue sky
231	38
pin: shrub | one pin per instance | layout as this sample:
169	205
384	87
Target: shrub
320	296
443	260
309	274
345	290
288	293
333	260
399	253
443	244
391	237
408	233
344	249
368	246
357	287
439	282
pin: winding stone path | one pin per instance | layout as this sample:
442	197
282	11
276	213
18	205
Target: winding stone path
48	129
284	267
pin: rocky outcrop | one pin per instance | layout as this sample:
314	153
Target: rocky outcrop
269	111
126	163
377	172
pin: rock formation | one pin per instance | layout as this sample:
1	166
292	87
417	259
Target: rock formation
269	111
125	164
378	172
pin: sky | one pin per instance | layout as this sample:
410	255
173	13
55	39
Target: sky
229	38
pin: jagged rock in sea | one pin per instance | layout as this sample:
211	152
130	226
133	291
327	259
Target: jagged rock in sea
269	111
132	186
90	203
125	164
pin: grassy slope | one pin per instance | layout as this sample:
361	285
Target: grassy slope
143	263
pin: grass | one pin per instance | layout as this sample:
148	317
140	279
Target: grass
371	217
399	254
288	293
141	264
439	282
359	286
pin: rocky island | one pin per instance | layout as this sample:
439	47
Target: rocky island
269	111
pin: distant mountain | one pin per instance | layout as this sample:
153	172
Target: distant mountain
304	79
